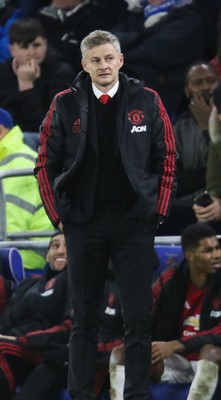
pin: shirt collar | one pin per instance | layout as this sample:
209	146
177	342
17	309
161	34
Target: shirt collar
111	92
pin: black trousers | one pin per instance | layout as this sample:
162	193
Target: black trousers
130	243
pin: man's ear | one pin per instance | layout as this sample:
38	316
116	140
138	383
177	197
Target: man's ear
121	60
189	255
84	65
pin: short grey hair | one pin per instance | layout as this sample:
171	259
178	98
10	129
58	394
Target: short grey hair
97	38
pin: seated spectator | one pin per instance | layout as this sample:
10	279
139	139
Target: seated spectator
37	320
192	140
216	61
160	42
23	206
212	213
67	22
34	74
186	319
8	14
53	374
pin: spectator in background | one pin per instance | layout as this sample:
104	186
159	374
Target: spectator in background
37	320
186	332
66	22
34	74
192	140
212	213
115	8
216	61
8	14
210	10
160	42
29	8
24	210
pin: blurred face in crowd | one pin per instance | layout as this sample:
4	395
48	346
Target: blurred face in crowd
57	255
205	259
201	79
24	53
66	4
103	63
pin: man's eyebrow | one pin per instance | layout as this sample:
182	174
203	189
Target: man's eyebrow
54	241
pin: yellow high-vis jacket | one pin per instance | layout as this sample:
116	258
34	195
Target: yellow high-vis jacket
24	209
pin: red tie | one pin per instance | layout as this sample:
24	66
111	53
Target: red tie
104	98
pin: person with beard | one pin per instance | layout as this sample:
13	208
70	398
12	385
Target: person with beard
192	140
32	76
37	319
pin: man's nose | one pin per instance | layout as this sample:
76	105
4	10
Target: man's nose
62	250
103	64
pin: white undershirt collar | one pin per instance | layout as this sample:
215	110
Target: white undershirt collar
111	92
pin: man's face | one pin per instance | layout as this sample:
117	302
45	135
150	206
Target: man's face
103	63
201	79
35	50
206	258
57	256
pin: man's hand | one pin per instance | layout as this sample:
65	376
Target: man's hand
209	213
200	110
26	74
161	350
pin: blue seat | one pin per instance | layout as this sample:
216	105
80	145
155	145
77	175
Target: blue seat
160	391
169	256
32	139
176	391
11	264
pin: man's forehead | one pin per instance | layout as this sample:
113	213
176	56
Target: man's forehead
57	239
201	69
102	49
208	242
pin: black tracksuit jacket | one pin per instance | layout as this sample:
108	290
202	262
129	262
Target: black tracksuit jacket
145	138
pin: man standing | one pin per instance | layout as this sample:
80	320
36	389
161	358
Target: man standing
106	173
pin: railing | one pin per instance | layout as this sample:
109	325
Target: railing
15	239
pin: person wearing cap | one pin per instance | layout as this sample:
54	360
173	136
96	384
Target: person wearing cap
212	213
23	205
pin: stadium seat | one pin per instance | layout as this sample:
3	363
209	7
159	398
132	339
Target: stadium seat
169	256
11	264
